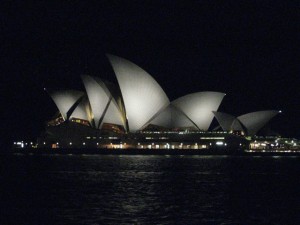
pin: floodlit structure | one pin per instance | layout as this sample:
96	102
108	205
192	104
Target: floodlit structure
142	95
250	123
193	111
70	102
228	122
140	102
256	120
198	107
103	105
172	117
137	105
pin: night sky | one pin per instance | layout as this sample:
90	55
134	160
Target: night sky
246	49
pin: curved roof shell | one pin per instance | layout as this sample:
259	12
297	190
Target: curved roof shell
142	95
172	117
199	107
102	103
254	121
98	97
83	110
65	100
113	115
139	100
228	122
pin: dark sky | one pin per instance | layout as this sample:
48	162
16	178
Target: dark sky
247	49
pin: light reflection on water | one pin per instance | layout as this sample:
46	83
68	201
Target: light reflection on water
88	189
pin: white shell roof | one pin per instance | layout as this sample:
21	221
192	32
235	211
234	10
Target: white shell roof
142	95
227	121
172	118
65	99
145	103
254	121
104	107
98	97
83	111
236	125
113	115
199	107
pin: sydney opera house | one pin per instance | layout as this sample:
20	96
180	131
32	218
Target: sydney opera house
136	113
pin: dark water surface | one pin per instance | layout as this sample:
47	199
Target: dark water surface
89	189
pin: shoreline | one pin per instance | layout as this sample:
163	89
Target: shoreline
97	151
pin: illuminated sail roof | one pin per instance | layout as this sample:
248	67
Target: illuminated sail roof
227	121
199	107
251	123
142	95
65	100
254	121
172	117
98	97
83	110
113	115
104	108
138	101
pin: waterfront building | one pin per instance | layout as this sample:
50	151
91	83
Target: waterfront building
137	113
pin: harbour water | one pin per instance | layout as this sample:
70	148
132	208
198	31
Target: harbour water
137	190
